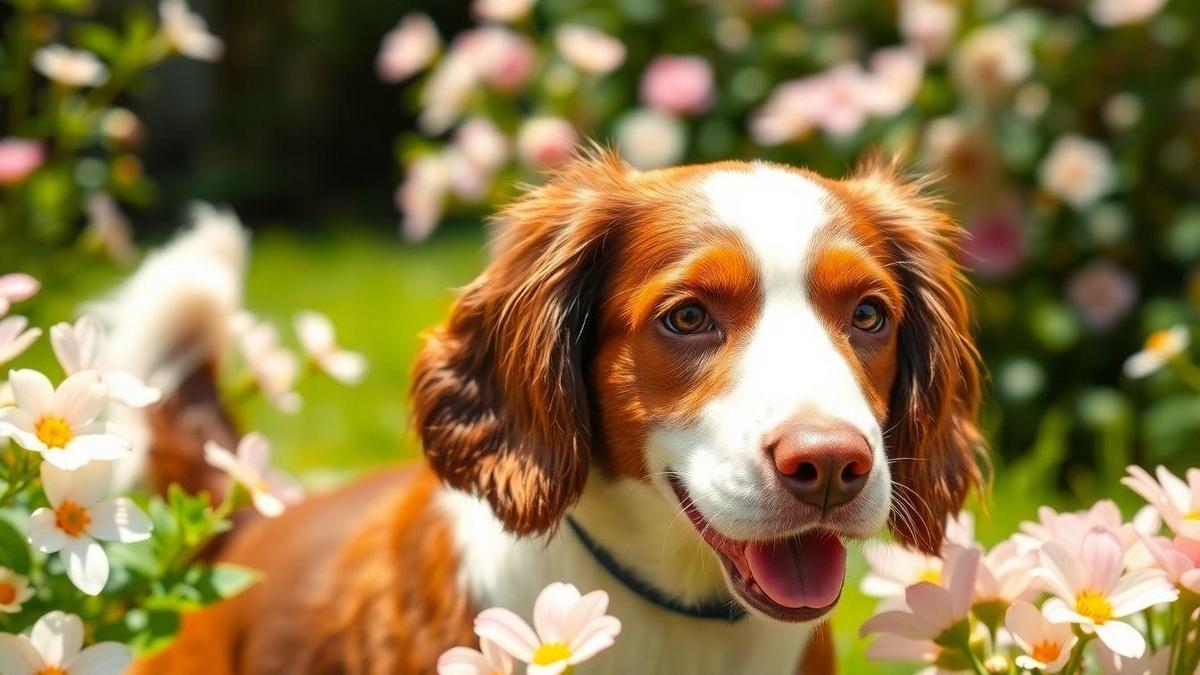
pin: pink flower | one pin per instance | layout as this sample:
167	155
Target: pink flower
15	338
482	143
1179	558
681	85
933	609
894	79
1091	591
1078	171
1119	12
1047	646
447	92
250	467
589	50
1005	574
502	10
407	49
995	243
789	113
503	58
930	24
843	108
19	158
1103	294
422	196
546	142
992	61
1112	663
489	660
1177	501
1069	528
570	629
16	287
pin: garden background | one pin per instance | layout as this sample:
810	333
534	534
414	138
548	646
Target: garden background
1068	133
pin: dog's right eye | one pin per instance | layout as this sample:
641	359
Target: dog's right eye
688	319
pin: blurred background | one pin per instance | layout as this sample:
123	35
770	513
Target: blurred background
364	141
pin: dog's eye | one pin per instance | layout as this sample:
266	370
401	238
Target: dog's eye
687	319
868	317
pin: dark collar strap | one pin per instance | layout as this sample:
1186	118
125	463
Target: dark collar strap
719	610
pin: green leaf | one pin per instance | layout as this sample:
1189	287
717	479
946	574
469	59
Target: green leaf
101	39
152	630
14	552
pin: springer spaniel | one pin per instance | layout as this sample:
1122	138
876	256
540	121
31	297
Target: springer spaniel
688	387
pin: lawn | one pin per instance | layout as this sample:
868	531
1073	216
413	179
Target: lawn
381	295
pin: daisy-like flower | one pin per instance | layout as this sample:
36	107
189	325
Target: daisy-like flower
570	629
274	368
1047	646
187	32
1090	589
895	568
70	67
81	348
14	591
79	514
933	609
1177	501
54	647
61	424
1161	347
1005	574
488	660
1112	663
250	467
15	287
319	341
1069	528
15	338
1179	558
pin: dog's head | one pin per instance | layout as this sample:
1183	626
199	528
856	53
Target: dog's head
786	359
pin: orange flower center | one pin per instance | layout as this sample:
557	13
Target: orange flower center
53	431
72	518
1046	651
1160	341
8	593
1093	605
51	670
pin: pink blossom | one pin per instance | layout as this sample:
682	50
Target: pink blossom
1103	294
1179	558
407	49
19	158
1176	500
681	85
1047	645
422	196
929	24
932	608
843	110
589	50
995	243
789	112
482	143
488	660
502	10
503	58
545	142
894	79
15	287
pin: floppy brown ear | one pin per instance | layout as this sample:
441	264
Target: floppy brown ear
499	394
935	445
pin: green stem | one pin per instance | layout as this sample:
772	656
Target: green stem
1187	371
1075	664
1150	641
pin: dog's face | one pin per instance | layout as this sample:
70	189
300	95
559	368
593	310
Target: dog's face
782	358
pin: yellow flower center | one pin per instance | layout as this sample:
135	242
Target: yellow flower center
1192	515
72	518
53	431
551	652
1093	605
1046	651
8	593
932	575
1160	341
51	670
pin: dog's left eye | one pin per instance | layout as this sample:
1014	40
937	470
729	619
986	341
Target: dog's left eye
868	317
687	319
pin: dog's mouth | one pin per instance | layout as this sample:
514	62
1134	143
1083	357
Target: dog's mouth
796	578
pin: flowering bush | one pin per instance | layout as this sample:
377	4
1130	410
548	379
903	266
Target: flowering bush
79	563
1114	596
1065	134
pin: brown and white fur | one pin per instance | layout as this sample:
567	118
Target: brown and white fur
556	388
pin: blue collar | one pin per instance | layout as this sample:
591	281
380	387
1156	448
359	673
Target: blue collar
717	610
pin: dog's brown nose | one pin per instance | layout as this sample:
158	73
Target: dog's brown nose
822	462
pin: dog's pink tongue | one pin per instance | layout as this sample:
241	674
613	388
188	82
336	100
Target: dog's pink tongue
804	571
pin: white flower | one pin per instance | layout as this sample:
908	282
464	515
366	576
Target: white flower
187	32
78	516
1047	646
61	424
648	139
488	660
274	368
1090	589
1118	12
502	10
15	287
73	68
1078	171
316	334
250	467
930	24
992	60
1176	500
54	647
1161	347
14	591
570	629
589	50
894	79
81	348
14	338
407	48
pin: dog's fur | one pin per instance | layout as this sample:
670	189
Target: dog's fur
553	389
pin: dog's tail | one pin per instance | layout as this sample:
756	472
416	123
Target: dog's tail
171	324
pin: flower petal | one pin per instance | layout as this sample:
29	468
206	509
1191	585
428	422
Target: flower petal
32	391
344	366
103	658
507	631
119	520
599	634
42	532
80	398
462	661
902	624
105	446
1122	638
18	656
1103	558
128	389
1025	622
1062	569
57	636
551	609
315	332
267	504
255	450
86	563
85	486
1141	589
589	607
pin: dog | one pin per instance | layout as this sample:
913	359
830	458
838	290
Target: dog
689	387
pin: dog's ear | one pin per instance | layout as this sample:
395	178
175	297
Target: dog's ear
935	446
499	394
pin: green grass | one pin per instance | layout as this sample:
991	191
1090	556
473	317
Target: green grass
381	295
